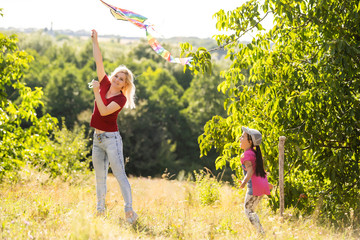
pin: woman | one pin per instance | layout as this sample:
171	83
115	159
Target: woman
255	175
111	95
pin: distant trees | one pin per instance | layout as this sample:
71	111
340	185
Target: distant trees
66	93
163	130
62	73
161	133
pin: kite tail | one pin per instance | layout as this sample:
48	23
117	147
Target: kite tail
155	45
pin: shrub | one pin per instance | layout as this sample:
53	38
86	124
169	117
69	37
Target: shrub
207	188
66	154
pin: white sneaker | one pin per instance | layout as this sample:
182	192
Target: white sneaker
131	217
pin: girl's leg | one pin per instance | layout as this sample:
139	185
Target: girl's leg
116	158
101	166
250	204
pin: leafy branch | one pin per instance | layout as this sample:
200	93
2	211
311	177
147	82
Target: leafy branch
237	39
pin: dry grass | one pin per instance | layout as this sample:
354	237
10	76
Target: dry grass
41	209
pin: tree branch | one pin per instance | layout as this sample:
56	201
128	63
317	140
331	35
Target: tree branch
222	46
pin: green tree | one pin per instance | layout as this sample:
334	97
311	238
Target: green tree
17	143
202	101
303	83
146	141
85	56
155	79
38	41
184	78
156	131
67	95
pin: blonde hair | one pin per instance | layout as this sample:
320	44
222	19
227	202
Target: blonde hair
129	89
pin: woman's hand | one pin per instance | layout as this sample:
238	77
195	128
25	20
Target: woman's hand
94	35
96	86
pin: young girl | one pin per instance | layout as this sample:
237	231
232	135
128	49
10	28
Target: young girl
111	95
255	175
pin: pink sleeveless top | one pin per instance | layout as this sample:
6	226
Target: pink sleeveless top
260	185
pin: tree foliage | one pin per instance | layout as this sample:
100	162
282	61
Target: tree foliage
16	142
304	84
26	138
62	73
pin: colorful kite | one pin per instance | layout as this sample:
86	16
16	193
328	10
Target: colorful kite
138	20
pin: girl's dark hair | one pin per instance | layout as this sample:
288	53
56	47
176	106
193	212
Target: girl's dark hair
259	169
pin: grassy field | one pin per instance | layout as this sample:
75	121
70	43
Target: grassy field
37	208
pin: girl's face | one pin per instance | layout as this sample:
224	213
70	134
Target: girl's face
244	142
119	80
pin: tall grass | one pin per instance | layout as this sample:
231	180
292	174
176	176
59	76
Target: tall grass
39	208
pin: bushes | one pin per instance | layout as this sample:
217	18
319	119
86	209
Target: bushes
65	155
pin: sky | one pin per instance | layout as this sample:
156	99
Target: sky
185	18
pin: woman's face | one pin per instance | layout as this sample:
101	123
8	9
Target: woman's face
244	142
119	80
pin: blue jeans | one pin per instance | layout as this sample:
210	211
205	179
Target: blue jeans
249	184
108	148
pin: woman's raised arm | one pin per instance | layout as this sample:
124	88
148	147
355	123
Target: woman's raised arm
97	56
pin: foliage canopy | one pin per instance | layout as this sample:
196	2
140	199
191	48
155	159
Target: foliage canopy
304	83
